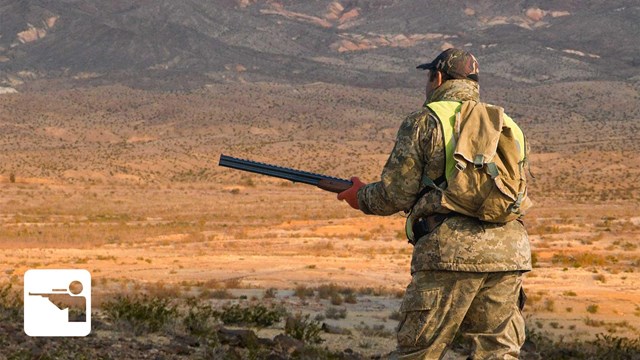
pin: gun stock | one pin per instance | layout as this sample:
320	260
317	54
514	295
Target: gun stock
323	182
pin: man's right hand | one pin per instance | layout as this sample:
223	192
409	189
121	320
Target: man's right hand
351	194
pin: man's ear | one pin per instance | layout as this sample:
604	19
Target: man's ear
438	78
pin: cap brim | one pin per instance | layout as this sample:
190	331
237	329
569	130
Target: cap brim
427	66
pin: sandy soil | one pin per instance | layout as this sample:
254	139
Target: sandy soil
181	240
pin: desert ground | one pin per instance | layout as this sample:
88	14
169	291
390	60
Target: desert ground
115	181
196	239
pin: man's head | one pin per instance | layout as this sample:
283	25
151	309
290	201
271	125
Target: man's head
450	64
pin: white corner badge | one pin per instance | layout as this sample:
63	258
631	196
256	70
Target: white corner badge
57	302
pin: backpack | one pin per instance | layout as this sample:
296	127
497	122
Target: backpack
486	157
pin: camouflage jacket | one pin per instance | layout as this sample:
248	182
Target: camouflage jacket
461	243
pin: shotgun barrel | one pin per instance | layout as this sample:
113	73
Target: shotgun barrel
324	182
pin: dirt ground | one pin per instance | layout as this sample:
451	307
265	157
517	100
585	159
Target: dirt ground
180	240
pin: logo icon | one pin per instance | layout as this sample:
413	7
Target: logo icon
57	302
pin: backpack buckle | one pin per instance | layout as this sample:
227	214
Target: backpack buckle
478	161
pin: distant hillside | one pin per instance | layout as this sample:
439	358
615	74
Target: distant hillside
318	85
377	43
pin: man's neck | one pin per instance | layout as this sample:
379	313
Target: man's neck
456	90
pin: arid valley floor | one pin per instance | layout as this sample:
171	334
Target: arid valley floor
127	186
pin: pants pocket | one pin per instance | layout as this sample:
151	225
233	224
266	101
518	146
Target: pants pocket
418	307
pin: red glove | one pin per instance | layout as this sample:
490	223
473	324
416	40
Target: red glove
351	194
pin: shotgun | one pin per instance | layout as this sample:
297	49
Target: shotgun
324	182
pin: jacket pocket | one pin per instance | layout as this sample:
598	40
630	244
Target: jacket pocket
418	309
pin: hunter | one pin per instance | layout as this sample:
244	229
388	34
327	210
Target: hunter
466	272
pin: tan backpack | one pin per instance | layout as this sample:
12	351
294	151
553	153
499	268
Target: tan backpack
485	163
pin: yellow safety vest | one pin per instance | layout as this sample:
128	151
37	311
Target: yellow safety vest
446	112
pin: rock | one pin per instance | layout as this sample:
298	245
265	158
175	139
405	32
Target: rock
189	340
330	329
334	10
51	22
268	343
8	90
30	35
180	349
349	15
287	344
274	356
535	14
238	338
349	354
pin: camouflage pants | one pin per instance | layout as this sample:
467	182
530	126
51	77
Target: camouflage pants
482	306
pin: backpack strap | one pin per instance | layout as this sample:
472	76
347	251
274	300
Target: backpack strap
428	184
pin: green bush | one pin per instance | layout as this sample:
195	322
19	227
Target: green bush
375	330
350	298
256	315
301	328
604	347
336	299
221	294
270	293
10	303
592	309
336	313
612	347
303	292
140	314
199	318
327	291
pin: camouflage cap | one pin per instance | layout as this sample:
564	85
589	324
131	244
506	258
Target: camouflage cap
456	63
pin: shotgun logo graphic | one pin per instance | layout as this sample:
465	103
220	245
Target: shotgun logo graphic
57	302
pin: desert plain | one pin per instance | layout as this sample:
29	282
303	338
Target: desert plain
125	183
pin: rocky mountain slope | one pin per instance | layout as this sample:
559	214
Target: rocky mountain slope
374	43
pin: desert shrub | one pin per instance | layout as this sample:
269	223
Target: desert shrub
300	327
318	352
612	347
593	323
303	292
140	314
199	318
549	305
336	299
395	315
328	291
335	313
256	315
10	302
380	291
375	330
235	283
336	294
534	259
604	347
350	298
592	309
221	294
583	259
270	293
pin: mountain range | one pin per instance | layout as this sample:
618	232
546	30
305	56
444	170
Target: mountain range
373	43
